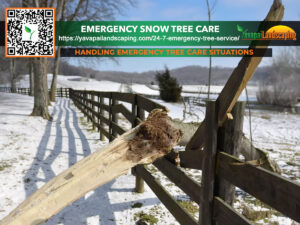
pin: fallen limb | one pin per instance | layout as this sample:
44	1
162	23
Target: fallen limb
150	140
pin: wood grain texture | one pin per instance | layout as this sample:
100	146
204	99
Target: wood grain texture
274	190
209	166
224	214
139	145
178	177
181	215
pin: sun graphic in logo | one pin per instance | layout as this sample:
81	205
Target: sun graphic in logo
280	32
281	29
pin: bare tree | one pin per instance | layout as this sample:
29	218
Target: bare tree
281	88
84	10
40	88
12	61
60	16
209	12
40	67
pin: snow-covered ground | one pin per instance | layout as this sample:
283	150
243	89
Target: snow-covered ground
32	151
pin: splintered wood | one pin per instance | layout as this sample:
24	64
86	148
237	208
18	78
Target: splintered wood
152	139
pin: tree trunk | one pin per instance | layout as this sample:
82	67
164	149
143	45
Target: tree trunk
45	84
41	97
144	144
54	78
13	75
31	77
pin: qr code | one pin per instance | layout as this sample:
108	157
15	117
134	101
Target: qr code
30	32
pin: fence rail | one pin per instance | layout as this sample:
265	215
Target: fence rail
221	169
60	92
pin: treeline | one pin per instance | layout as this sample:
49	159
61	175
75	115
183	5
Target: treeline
184	75
282	87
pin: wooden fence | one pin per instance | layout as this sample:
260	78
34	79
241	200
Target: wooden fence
60	92
222	171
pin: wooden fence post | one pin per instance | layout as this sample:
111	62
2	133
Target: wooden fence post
98	110
90	107
209	165
110	118
133	124
102	136
86	96
139	182
94	109
229	140
114	117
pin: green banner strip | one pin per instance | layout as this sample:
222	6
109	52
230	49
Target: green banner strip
175	33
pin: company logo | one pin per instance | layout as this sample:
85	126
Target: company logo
279	32
30	32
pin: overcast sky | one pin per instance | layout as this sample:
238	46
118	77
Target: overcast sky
194	10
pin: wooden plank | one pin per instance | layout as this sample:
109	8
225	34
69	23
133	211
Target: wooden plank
117	129
148	105
103	106
180	179
187	159
94	110
114	119
139	182
110	119
95	170
96	114
124	97
120	108
181	215
276	191
103	119
94	122
224	214
103	130
229	141
101	114
100	105
103	94
209	165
